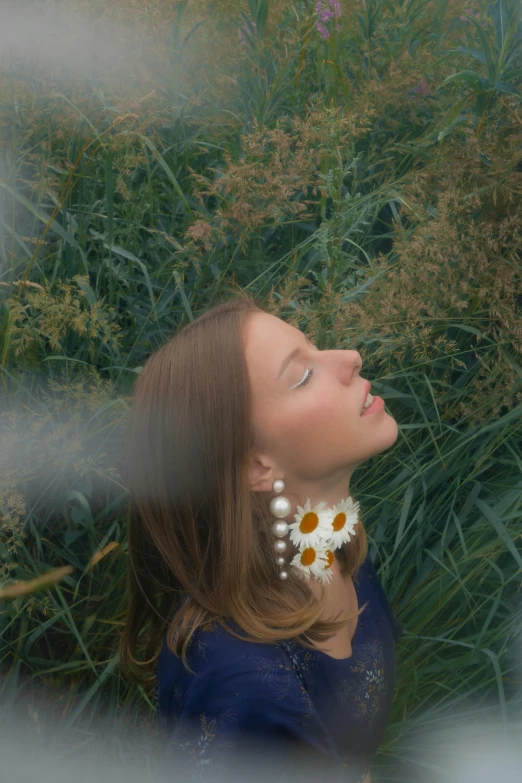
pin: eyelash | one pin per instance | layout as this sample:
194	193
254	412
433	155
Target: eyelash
309	369
303	383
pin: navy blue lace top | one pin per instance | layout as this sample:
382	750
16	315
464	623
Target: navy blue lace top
283	700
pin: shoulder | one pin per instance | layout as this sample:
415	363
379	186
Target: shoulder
230	669
234	681
245	694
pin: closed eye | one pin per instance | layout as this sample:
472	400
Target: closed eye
307	376
309	371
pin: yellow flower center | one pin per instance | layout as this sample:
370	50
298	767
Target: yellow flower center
330	556
309	522
339	521
308	556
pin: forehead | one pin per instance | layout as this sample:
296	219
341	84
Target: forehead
268	340
263	330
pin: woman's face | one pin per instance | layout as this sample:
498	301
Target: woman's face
307	409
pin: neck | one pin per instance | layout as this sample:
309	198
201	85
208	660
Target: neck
330	493
336	591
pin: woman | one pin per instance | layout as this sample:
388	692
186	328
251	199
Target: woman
268	629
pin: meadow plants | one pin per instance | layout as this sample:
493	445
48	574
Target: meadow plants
358	166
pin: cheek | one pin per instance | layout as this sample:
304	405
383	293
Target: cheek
328	423
310	417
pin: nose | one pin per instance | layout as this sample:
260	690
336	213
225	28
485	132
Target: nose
354	359
348	364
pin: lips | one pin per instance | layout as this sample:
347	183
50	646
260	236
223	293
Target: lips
367	388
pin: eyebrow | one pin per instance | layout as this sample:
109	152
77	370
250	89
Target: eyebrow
287	361
291	356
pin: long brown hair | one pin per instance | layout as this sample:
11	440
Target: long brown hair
194	526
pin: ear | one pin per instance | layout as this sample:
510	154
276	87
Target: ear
260	473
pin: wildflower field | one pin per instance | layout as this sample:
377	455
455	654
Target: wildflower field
355	164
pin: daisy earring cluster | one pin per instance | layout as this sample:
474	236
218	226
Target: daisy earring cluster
317	532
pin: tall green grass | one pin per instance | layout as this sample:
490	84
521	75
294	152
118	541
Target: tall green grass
366	185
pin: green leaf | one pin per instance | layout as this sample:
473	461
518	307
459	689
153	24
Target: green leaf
466	328
404	515
86	289
19	241
492	71
514	73
120	251
470	77
261	17
505	87
449	128
97	685
499	13
476	53
184	299
109	192
166	169
512	37
497	523
46	220
482	103
191	33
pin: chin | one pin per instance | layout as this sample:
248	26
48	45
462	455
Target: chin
390	432
385	436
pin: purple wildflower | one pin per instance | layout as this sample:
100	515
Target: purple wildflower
471	13
336	5
245	32
323	31
422	88
327	14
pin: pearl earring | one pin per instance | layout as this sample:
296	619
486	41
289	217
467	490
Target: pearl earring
280	507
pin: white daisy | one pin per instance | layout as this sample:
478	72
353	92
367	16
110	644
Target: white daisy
343	518
312	525
313	561
326	574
